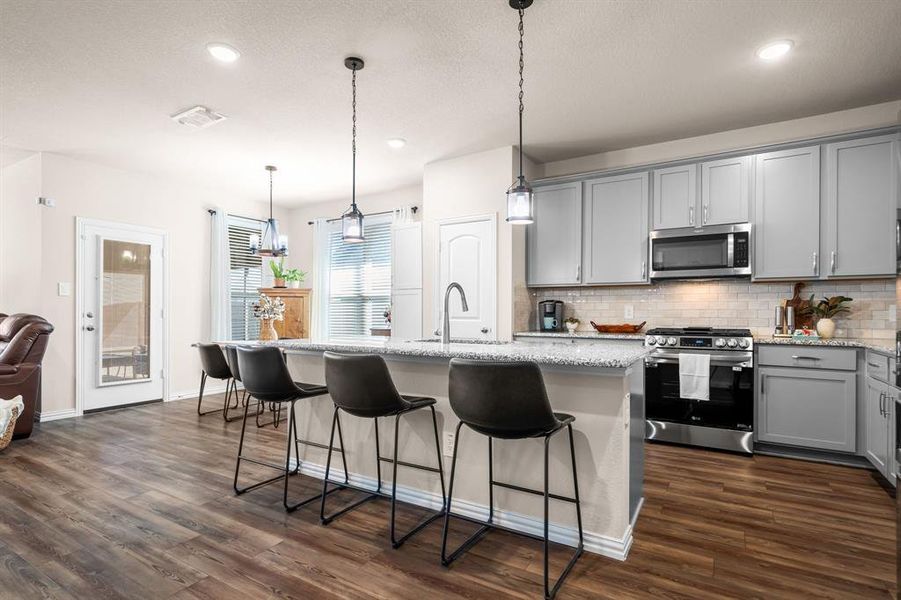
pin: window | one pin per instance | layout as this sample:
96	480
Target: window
245	277
359	280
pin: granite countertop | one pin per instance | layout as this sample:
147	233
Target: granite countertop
883	346
601	355
581	335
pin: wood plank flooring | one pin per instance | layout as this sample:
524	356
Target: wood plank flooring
137	503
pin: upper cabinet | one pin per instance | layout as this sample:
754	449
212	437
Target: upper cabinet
787	214
616	229
861	200
721	199
724	191
554	239
675	197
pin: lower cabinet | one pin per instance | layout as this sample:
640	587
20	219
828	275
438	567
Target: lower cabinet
880	420
812	408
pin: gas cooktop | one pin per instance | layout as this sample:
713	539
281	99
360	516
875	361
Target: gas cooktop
699	338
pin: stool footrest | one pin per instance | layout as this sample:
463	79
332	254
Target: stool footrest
411	465
518	488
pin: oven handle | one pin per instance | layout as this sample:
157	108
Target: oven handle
746	361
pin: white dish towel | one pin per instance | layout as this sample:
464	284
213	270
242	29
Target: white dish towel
694	376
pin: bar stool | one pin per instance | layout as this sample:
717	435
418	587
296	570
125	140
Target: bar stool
213	364
266	378
361	385
231	356
507	400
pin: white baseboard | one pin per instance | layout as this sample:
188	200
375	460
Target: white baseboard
193	392
56	415
616	548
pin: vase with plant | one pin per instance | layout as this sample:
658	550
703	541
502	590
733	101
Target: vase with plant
268	310
294	277
826	310
571	324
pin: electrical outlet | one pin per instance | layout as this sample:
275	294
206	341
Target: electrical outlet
449	439
64	288
629	312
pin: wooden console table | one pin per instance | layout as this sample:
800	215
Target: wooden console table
297	312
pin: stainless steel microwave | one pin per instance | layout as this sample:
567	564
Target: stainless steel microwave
695	252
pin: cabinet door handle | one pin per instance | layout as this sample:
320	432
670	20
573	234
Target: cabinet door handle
691	215
815	264
802	357
578	273
881	397
644	269
705	214
832	262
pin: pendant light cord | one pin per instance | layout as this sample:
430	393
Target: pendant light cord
521	65
270	195
353	192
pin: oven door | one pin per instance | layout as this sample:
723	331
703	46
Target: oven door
731	404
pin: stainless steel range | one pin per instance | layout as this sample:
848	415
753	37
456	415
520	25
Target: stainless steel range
724	418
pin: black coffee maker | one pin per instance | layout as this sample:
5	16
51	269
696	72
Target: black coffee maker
550	315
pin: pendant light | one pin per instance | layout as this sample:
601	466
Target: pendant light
352	219
519	196
273	244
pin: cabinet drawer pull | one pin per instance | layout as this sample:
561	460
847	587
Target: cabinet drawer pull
802	357
874	365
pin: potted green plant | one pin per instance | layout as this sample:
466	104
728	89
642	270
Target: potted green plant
294	277
278	272
571	324
826	310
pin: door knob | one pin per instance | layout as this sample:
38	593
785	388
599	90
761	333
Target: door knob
89	328
484	330
89	315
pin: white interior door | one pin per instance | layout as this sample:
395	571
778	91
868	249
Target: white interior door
467	253
121	285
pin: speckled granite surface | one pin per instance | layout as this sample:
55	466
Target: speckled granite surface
581	335
616	356
882	346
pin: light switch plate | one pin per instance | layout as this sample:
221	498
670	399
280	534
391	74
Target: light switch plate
629	312
64	288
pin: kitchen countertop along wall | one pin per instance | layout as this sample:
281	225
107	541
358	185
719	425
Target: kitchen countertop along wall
723	303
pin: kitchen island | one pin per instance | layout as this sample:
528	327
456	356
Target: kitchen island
601	384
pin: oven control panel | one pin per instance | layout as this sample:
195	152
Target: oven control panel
699	342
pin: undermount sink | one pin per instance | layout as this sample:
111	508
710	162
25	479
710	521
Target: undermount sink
461	341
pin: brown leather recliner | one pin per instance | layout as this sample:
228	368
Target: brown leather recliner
23	341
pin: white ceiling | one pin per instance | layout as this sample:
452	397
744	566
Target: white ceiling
99	79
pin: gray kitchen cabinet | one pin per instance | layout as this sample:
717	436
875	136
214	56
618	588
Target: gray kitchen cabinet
554	239
878	421
675	197
615	229
787	214
724	191
807	407
861	199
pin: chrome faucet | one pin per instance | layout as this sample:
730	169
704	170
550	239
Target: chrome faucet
445	332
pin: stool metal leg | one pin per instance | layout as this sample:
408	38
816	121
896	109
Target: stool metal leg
395	542
231	387
203	380
446	559
242	457
326	519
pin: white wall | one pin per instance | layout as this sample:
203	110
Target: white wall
20	231
83	189
845	121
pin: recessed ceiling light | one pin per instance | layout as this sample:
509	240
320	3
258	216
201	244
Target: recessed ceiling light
223	52
774	50
396	142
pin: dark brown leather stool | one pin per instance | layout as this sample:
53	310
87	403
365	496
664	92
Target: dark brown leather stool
507	400
361	385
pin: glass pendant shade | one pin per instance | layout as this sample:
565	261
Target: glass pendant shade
272	243
519	203
352	225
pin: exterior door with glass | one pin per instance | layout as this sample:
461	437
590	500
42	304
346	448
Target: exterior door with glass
121	293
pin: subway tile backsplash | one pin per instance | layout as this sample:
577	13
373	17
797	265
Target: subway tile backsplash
721	303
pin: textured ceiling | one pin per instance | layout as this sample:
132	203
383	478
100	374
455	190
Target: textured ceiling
98	80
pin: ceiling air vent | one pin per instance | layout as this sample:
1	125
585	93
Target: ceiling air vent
198	117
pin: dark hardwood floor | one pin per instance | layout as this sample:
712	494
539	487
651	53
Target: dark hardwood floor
137	503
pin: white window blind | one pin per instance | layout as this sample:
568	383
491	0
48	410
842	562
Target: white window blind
359	280
245	277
